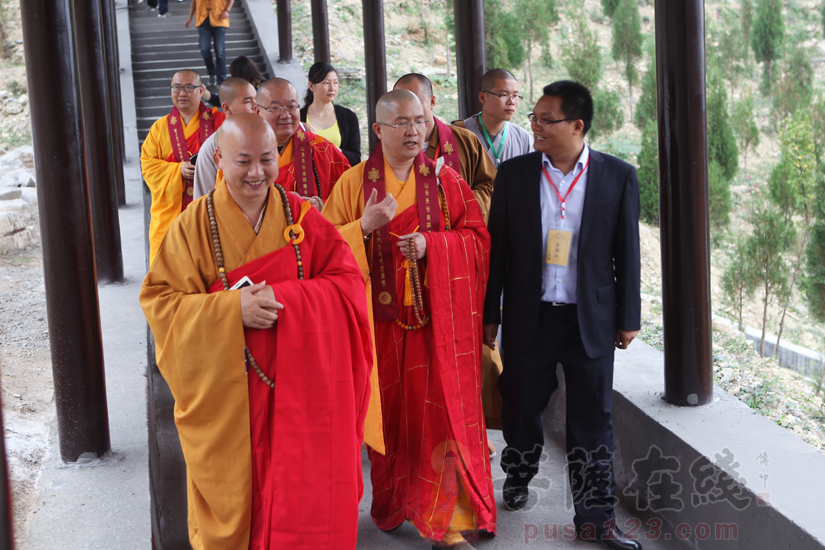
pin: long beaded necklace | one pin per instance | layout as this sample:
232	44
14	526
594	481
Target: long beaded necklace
216	242
415	278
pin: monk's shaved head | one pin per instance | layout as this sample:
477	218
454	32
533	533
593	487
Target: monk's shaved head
233	87
387	106
187	75
426	87
243	129
276	86
279	100
248	157
488	81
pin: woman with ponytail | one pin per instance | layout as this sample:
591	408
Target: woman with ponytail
333	122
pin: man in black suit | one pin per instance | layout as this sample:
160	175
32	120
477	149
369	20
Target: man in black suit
564	223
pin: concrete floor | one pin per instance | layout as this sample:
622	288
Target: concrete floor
531	527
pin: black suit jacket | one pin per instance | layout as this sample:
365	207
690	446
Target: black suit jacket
608	264
350	132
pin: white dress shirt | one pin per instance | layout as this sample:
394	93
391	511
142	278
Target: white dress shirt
559	282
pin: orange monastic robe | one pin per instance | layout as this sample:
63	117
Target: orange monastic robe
266	468
162	174
428	381
328	159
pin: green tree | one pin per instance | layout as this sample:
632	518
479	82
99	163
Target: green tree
609	7
728	58
648	174
767	36
627	41
607	113
718	196
800	172
744	127
795	88
646	107
581	53
501	28
721	141
746	22
815	280
738	283
537	17
763	251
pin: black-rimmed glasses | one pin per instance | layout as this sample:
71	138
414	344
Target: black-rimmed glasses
505	96
544	122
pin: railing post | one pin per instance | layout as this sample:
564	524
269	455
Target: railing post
66	228
96	99
320	30
284	11
471	57
683	202
375	58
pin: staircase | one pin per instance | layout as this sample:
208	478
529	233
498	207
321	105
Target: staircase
162	45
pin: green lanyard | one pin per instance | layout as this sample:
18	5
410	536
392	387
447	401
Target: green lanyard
490	142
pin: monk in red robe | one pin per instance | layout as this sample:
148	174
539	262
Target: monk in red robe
309	164
165	154
419	237
270	379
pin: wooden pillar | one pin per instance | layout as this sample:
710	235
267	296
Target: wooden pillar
66	228
112	56
471	57
284	11
376	59
320	30
96	99
6	510
683	201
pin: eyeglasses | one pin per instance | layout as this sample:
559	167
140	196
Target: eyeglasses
189	88
544	122
416	125
505	96
280	110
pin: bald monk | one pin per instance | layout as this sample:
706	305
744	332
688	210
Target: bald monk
282	363
310	165
422	247
165	154
460	147
237	96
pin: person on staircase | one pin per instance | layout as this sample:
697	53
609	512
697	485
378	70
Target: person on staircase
212	20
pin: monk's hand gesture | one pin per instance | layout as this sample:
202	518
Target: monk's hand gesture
489	334
377	214
624	337
419	248
187	170
259	309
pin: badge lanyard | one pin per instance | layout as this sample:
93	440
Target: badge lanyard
497	154
563	199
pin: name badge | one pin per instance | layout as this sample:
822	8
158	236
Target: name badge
558	247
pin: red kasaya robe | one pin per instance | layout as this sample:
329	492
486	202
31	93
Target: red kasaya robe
430	378
329	161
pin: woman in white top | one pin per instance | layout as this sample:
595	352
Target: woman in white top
333	122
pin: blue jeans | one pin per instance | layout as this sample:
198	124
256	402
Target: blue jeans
163	6
206	35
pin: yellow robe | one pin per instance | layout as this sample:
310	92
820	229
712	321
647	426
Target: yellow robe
163	179
191	329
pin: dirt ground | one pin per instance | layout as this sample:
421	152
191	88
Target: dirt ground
25	377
